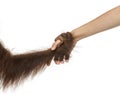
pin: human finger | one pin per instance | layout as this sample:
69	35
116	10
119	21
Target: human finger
55	44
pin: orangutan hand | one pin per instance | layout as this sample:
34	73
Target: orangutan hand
63	46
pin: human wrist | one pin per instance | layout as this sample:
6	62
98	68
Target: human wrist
75	35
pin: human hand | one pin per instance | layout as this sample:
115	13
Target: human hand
63	46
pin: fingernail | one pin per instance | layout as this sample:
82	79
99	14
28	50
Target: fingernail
57	62
67	61
62	62
53	48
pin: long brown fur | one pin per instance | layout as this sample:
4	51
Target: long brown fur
15	68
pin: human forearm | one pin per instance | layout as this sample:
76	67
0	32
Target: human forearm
104	22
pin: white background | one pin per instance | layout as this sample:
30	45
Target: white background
94	67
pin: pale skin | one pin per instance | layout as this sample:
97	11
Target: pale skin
104	22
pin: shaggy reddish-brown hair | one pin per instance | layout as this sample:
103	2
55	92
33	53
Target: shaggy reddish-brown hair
15	68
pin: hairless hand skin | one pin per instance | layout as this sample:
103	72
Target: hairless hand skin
104	22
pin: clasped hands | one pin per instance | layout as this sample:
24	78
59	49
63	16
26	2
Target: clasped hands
63	46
